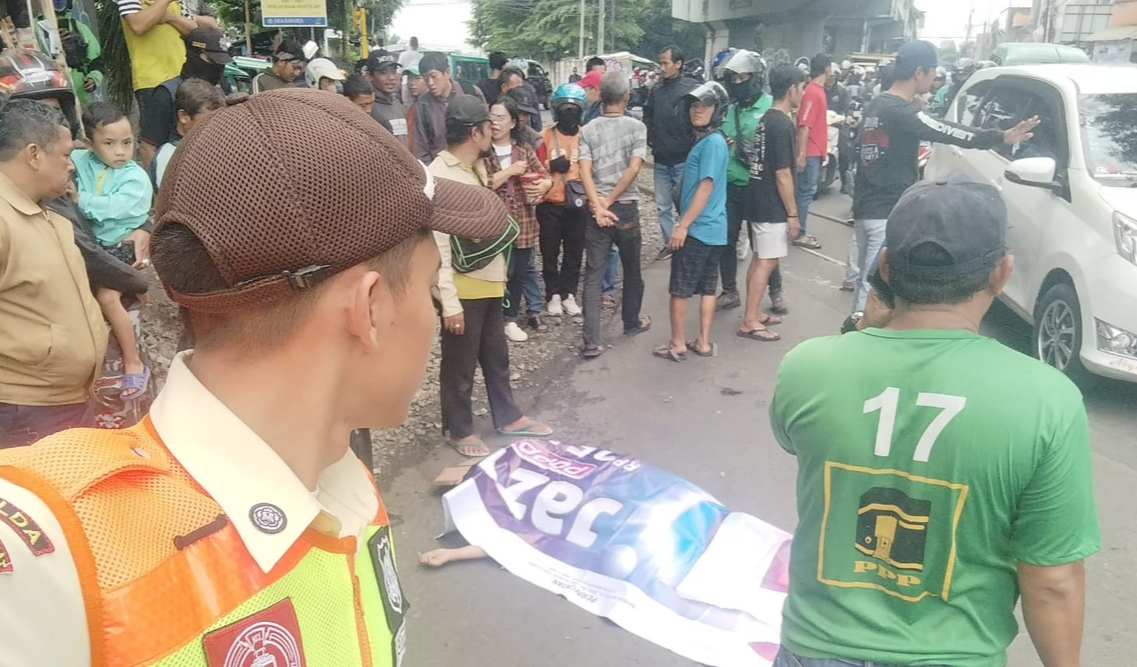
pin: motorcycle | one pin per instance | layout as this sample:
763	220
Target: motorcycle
922	157
830	168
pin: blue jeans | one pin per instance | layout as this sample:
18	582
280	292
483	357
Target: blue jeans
787	659
869	237
608	287
22	425
667	179
807	184
534	297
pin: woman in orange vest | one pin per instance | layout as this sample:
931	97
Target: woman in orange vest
232	527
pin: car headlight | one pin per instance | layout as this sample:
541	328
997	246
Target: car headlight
1116	340
1125	234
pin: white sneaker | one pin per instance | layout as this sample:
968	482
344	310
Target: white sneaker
515	334
570	306
554	308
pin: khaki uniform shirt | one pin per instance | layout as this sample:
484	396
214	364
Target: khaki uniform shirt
52	333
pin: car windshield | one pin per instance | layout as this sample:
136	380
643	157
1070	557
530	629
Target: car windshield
1110	137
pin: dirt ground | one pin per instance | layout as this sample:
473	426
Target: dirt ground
533	363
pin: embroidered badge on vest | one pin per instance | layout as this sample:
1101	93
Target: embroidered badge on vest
26	527
5	560
394	604
271	637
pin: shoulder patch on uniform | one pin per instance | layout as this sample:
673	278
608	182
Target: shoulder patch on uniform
271	637
5	560
26	528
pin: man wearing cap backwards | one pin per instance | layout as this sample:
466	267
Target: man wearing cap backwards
940	473
894	125
389	110
205	59
236	506
428	121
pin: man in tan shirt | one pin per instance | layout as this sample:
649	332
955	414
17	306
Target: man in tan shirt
52	335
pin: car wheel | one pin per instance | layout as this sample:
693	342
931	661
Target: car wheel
1058	332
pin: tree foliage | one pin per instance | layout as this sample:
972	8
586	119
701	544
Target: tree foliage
550	29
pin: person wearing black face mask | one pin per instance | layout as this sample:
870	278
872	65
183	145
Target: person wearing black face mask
562	214
205	59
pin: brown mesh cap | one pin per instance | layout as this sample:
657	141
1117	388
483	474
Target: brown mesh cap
292	186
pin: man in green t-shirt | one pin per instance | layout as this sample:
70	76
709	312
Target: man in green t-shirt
939	472
744	75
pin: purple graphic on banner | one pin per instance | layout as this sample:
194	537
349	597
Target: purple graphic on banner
625	540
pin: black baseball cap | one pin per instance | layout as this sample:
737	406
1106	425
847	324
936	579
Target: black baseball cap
967	220
467	110
208	41
381	59
526	102
433	60
917	54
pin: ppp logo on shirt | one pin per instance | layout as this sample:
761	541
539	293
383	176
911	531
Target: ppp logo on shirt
889	531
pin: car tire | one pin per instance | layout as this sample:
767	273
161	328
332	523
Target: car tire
1057	338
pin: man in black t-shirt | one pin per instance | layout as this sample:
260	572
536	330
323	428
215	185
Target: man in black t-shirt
769	206
894	125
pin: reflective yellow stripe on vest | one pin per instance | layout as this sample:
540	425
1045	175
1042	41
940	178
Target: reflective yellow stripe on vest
312	616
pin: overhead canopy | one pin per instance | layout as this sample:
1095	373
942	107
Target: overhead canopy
1114	34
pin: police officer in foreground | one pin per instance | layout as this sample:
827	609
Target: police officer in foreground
232	526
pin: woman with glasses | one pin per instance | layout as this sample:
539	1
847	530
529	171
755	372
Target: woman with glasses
519	178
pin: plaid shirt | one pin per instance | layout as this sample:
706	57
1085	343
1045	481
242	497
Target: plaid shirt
514	195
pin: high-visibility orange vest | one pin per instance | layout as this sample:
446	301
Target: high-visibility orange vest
167	580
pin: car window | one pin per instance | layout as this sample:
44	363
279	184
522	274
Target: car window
1049	138
1001	110
966	107
1109	137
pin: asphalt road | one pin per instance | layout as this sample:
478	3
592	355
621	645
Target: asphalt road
677	418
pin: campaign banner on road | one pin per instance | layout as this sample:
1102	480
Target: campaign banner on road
624	540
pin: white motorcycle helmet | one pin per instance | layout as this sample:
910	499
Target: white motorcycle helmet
320	69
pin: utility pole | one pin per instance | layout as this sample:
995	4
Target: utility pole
580	49
600	30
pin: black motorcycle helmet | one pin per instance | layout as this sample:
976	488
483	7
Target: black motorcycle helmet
744	62
713	94
32	75
962	70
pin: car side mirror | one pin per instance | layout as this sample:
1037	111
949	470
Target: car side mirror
1033	172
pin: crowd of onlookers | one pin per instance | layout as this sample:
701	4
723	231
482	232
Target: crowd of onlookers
571	190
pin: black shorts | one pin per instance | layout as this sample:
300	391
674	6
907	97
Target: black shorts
695	269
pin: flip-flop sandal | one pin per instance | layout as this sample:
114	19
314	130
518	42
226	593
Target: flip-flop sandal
645	324
665	352
477	450
134	384
713	352
756	334
771	320
807	242
593	352
608	302
533	430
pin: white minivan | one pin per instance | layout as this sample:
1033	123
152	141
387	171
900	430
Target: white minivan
1071	195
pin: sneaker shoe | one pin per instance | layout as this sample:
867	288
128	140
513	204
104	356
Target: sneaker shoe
778	303
728	300
664	254
848	286
554	308
514	333
570	306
